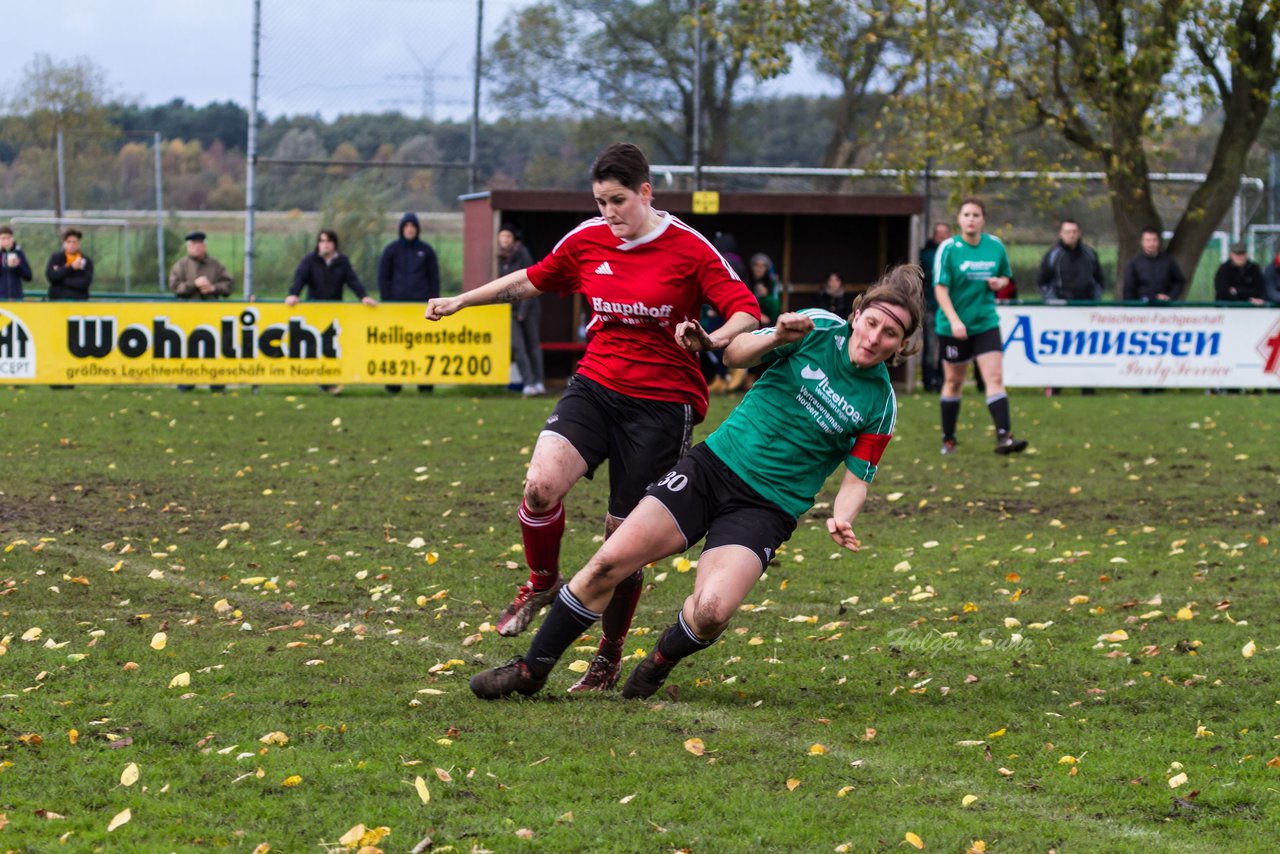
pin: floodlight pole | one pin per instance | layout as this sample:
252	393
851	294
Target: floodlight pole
159	211
251	153
475	97
928	123
697	95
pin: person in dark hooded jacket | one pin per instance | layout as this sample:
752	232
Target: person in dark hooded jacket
324	273
408	271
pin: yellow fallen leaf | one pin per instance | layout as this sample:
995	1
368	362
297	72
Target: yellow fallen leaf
1177	780
968	800
1274	762
997	733
913	840
159	640
262	848
256	579
817	749
1068	760
1079	600
1114	637
579	666
1184	613
32	633
443	776
73	735
371	837
695	746
122	817
977	847
792	784
626	800
682	564
182	680
291	781
844	791
274	738
129	775
432	558
1249	649
420	785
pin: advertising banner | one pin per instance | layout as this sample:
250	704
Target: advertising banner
1147	347
256	343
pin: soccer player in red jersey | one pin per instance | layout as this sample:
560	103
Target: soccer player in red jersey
638	389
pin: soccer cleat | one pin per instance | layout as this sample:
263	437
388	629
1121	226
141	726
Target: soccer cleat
510	678
948	447
648	676
601	675
1006	444
517	616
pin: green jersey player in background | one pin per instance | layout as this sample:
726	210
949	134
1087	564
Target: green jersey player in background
967	271
825	399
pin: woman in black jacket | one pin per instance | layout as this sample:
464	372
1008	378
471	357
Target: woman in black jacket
324	272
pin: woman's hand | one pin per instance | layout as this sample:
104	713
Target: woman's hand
842	533
692	337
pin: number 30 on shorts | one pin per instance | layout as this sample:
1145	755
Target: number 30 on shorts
674	481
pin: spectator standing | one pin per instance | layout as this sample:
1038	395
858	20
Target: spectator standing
931	367
199	276
762	281
69	271
834	298
1152	275
14	267
1271	281
1070	271
408	271
1239	279
526	315
70	274
325	272
967	272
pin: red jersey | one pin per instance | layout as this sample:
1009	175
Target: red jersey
638	291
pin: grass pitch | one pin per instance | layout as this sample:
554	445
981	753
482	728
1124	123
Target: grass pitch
242	620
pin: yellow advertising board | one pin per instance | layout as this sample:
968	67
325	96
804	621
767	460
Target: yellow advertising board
258	343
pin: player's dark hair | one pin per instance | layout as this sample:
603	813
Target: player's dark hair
1151	229
901	286
71	232
624	163
1068	221
974	200
329	234
4	229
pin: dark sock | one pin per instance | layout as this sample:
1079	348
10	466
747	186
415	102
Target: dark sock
616	620
950	415
998	405
679	641
542	535
565	622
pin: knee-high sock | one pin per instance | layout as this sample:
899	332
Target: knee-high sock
616	620
541	535
565	622
679	641
950	415
998	406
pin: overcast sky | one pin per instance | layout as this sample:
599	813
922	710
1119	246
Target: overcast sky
326	56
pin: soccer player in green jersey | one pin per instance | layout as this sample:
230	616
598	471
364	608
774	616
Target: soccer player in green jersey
825	399
967	271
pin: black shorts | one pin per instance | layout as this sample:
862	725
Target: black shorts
958	351
705	498
640	438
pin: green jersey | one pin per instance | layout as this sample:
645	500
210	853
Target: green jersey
964	270
811	409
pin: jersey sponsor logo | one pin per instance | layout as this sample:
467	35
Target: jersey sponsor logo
17	348
604	269
631	309
829	395
977	266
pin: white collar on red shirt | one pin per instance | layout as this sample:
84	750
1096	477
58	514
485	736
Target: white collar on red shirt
664	221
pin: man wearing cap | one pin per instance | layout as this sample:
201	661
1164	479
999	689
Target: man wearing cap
1239	279
197	276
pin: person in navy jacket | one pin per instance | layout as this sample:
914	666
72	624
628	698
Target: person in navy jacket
14	268
408	271
325	272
